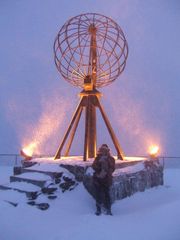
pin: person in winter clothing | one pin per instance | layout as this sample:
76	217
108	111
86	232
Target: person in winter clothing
104	166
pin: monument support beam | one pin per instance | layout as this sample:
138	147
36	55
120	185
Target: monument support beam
89	102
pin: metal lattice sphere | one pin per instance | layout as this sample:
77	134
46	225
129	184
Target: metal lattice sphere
86	35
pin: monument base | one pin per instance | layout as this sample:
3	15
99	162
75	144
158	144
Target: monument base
129	177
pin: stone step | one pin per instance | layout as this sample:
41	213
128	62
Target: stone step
51	174
38	179
22	187
53	170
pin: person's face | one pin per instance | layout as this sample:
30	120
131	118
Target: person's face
104	152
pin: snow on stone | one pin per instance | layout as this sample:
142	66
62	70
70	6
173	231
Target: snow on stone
78	160
23	186
89	171
46	167
66	173
36	176
72	160
130	169
50	167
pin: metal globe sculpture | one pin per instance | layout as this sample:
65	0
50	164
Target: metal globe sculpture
73	45
90	52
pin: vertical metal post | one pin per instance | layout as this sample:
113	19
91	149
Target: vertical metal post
91	127
73	132
58	153
111	132
93	53
86	150
91	108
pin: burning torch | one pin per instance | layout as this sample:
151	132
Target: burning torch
27	151
153	151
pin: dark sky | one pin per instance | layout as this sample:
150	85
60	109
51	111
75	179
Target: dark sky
143	104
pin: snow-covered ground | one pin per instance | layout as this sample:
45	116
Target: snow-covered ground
151	215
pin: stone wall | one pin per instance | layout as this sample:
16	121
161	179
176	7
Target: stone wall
77	170
129	177
128	180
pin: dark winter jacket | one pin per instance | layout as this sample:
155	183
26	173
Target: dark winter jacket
103	167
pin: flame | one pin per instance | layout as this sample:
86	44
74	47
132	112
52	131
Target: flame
153	150
29	149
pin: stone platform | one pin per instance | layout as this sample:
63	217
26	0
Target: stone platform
132	175
48	176
131	179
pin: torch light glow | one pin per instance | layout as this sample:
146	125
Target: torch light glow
153	150
29	149
40	136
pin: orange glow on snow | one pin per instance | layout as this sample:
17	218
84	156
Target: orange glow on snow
135	158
